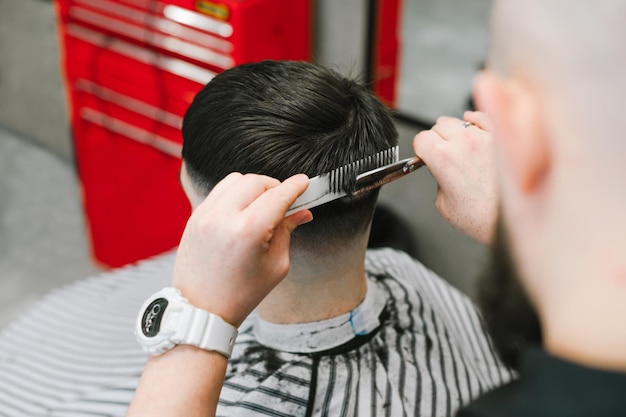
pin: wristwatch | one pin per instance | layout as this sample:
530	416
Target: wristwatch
167	319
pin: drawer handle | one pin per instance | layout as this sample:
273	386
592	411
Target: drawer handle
132	132
158	23
172	65
158	40
129	103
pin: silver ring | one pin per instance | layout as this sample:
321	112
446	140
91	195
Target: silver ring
467	124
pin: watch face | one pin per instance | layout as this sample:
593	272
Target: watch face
151	320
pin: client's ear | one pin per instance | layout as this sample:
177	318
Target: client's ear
519	127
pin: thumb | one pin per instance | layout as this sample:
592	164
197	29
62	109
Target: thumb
297	219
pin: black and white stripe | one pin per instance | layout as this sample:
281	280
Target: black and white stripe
428	358
75	354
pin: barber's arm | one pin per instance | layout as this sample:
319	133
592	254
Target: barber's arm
461	157
234	251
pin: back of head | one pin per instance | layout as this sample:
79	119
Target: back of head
279	118
573	54
570	55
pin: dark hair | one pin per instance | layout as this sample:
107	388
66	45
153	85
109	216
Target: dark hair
280	118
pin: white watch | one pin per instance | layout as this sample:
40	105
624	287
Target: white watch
167	319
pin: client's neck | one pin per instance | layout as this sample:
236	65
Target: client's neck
319	286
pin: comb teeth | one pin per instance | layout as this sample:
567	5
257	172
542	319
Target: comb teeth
343	179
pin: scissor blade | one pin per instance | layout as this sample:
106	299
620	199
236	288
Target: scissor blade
378	177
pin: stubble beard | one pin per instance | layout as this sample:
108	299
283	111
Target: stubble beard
510	317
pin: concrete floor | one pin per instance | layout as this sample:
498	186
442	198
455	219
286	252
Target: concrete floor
42	239
42	234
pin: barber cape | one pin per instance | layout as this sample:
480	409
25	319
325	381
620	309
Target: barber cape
414	347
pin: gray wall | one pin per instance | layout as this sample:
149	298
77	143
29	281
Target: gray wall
340	40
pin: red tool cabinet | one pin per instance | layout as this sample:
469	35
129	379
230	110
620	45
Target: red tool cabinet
131	68
386	46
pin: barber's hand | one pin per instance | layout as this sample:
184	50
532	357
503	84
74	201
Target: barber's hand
462	161
235	247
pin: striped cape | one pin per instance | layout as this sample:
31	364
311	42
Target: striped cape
416	348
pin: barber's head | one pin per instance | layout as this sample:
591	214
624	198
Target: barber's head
555	89
280	118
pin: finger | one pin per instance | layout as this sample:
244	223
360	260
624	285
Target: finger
441	203
448	127
241	192
298	219
427	146
277	241
269	209
280	235
223	186
249	188
479	119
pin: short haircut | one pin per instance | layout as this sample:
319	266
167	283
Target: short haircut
280	118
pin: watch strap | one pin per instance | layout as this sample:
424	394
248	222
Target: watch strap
167	319
208	331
